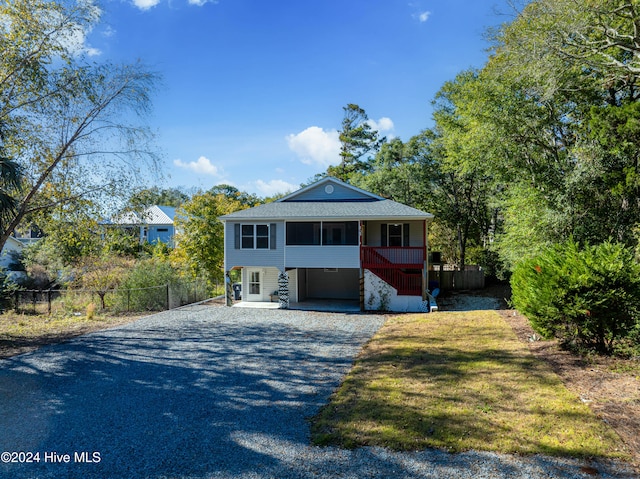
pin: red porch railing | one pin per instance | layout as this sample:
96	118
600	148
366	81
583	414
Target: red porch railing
392	257
407	284
388	264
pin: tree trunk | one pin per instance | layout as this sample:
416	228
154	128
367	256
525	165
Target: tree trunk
462	245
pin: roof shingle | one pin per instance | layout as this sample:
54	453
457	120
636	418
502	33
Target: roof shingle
383	209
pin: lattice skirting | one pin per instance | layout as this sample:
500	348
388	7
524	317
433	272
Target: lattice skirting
283	290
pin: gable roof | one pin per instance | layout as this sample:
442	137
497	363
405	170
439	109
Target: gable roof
153	215
159	215
342	201
328	189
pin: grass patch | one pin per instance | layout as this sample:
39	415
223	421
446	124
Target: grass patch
459	381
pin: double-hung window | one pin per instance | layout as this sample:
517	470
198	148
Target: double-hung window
262	236
255	237
395	234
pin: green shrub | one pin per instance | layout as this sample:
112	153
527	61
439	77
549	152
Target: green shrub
146	281
588	296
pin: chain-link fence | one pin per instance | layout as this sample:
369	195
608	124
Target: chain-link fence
156	298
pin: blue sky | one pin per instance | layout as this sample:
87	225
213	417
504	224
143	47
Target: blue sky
253	91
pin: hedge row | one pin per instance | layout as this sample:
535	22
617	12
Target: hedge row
585	296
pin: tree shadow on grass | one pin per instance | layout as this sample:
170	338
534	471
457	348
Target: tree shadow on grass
415	392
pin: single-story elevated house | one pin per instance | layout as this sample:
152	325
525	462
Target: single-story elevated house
331	241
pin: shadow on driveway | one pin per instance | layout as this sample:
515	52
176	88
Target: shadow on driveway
189	393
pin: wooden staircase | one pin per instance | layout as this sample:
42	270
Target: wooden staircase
397	267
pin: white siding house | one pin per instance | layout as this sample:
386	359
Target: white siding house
331	240
11	248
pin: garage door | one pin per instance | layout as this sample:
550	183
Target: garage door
332	283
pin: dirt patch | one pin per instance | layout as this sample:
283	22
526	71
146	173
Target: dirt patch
219	301
37	331
492	297
22	333
610	386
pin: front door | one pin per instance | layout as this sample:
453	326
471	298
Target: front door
254	285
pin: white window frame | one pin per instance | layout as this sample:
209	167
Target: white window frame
389	225
254	236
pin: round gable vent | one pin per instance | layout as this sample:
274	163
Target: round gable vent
328	189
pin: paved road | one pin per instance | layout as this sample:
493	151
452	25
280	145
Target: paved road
206	392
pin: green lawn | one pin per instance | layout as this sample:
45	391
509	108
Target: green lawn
458	381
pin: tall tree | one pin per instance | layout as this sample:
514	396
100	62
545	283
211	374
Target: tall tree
157	196
565	79
402	171
463	187
10	184
200	241
357	139
247	200
74	127
561	41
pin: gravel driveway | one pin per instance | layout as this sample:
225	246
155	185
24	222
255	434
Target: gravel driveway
209	392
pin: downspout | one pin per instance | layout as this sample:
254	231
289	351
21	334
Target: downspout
228	291
361	279
284	257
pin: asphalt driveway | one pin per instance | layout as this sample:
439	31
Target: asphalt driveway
206	392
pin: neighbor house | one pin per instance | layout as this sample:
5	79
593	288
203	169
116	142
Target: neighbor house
331	240
154	224
10	253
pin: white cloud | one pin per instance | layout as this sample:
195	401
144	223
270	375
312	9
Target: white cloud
423	16
108	31
200	3
316	146
73	36
76	42
274	187
145	4
92	52
203	166
382	125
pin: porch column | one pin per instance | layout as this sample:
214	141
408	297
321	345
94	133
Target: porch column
425	268
228	289
283	289
362	305
363	242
